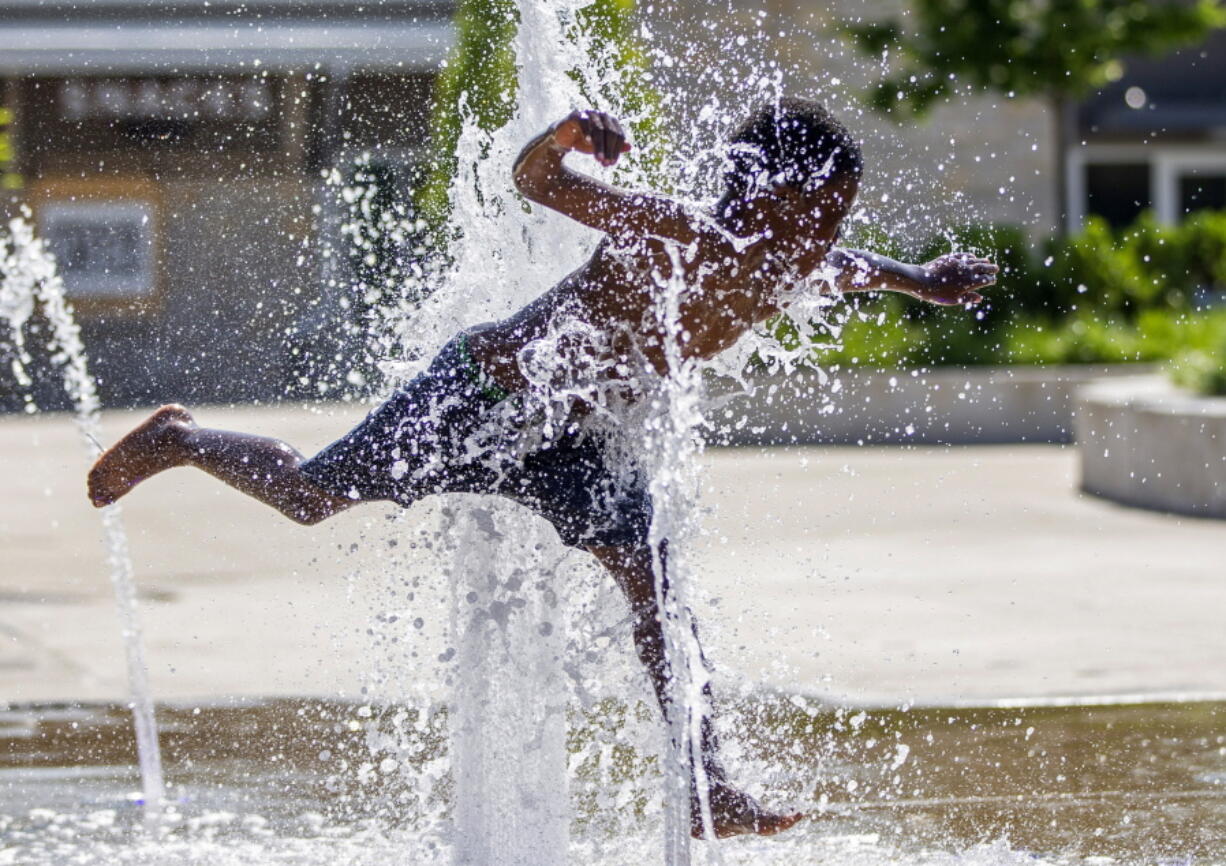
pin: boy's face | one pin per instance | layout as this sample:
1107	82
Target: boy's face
812	217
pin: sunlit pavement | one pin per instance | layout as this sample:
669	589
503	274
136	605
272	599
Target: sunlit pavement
867	575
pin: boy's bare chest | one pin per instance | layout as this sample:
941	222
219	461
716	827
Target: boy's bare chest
707	302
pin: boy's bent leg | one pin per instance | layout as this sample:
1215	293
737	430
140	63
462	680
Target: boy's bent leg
733	812
263	468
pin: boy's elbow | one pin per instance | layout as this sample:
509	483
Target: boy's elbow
522	186
530	188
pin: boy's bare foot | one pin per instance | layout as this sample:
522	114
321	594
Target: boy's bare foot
735	814
155	445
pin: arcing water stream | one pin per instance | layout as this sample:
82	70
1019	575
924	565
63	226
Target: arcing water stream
29	282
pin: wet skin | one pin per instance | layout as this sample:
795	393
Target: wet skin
732	262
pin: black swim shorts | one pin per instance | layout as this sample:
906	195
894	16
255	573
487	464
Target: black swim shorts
449	431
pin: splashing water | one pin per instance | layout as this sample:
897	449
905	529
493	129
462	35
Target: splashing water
508	731
508	726
508	720
28	279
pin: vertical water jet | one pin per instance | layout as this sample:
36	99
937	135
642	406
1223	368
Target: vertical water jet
28	279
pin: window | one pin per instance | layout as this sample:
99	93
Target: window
1119	181
1201	190
1117	192
104	249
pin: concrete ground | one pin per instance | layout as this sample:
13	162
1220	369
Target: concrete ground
869	575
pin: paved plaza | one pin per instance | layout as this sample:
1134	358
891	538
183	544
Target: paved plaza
869	575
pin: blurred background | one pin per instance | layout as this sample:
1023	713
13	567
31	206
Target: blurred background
228	185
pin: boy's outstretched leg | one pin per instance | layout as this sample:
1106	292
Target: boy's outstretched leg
266	469
733	813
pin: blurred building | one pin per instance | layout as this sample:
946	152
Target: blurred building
172	154
1155	139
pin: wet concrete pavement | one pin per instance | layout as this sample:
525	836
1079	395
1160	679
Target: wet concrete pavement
871	575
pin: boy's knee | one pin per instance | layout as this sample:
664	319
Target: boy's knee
309	515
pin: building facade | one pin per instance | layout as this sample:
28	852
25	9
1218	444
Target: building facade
172	155
1154	140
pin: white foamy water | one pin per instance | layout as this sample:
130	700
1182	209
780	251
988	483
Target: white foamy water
506	632
29	282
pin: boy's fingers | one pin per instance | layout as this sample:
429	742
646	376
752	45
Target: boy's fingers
625	145
612	145
598	143
592	133
602	135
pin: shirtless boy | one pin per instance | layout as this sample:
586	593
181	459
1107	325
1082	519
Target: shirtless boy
794	172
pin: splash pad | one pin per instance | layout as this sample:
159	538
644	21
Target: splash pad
492	772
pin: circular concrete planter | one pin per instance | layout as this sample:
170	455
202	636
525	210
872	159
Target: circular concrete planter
1145	443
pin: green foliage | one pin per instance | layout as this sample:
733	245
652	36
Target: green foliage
9	178
1051	48
1202	245
1095	297
478	80
1201	371
1146	266
1195	342
615	54
1096	264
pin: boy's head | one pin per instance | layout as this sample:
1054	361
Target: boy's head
794	143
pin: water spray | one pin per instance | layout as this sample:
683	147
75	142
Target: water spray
28	277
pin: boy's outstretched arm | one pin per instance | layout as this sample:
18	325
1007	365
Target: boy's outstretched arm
948	279
541	177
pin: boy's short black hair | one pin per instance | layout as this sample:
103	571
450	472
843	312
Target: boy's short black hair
793	141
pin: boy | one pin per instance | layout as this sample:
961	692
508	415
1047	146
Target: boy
456	428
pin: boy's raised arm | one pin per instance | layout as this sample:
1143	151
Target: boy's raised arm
541	177
948	279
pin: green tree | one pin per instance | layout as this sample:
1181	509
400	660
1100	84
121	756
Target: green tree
478	82
9	178
1058	49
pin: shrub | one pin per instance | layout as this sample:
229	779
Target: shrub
1099	296
1200	364
1204	240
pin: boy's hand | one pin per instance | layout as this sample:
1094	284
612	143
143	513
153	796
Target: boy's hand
592	132
952	279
